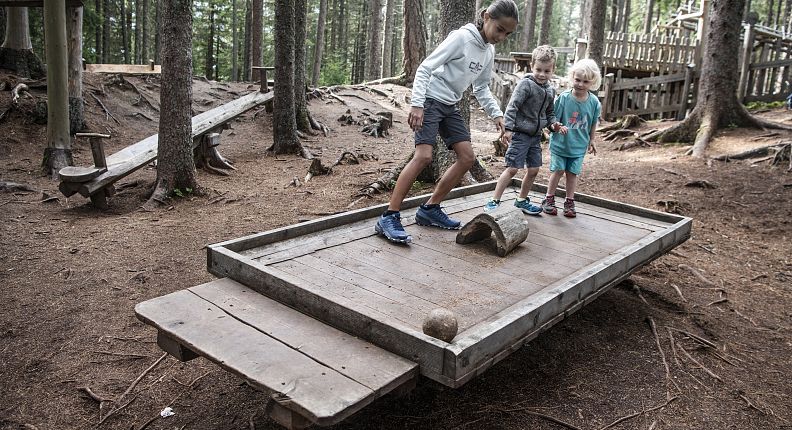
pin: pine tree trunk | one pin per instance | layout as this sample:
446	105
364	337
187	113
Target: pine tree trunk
58	153
234	42
248	48
335	27
17	52
74	35
209	63
614	14
138	32
257	28
585	18
300	33
98	32
283	116
144	48
648	20
175	163
360	45
596	36
374	57
157	26
343	14
2	20
414	40
125	31
319	45
526	44
387	40
106	18
627	12
547	16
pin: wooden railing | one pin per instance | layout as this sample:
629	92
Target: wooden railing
765	66
663	96
648	52
505	64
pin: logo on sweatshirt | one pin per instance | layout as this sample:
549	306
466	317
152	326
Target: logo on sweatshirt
475	67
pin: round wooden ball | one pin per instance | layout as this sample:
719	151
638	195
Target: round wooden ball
440	324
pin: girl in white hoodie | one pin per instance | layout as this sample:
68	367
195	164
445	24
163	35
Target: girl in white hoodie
465	57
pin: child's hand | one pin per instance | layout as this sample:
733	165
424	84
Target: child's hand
592	149
415	118
560	128
506	137
499	125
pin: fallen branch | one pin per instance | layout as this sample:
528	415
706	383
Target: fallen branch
697	363
679	292
697	274
695	337
625	418
107	112
541	415
662	356
131	387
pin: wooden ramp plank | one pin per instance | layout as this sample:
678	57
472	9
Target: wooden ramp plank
377	369
304	384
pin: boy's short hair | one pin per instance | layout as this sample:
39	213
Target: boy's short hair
544	54
589	69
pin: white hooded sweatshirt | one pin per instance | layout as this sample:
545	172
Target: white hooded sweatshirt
462	59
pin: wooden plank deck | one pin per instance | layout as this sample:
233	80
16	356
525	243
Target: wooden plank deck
338	270
320	373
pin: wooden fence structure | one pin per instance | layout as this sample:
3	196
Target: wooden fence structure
765	63
648	52
655	97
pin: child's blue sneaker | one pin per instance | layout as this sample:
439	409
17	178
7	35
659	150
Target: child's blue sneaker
435	217
527	207
491	205
391	227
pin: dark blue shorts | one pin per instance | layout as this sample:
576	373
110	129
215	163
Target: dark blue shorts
444	119
524	151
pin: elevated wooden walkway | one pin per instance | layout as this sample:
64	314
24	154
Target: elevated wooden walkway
337	271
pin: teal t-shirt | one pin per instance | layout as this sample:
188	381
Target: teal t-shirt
580	118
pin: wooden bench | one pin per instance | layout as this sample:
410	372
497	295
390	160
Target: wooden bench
98	185
319	375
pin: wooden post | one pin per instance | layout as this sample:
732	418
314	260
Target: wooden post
151	65
689	76
701	31
745	61
606	102
58	140
581	49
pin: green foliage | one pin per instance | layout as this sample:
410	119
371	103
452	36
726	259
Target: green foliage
182	193
334	72
764	105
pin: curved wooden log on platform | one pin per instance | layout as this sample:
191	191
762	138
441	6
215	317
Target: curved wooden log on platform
509	226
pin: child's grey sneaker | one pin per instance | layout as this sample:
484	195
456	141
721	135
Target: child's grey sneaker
435	217
527	207
548	205
391	227
491	205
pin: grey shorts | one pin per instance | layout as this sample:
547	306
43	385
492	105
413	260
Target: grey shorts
445	119
524	151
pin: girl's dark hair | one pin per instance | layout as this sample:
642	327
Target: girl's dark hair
497	10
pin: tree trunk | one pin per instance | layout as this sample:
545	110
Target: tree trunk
157	26
58	153
544	29
283	116
596	36
144	48
246	71
106	18
414	40
398	27
614	14
319	45
529	26
125	32
175	163
717	105
360	60
2	20
257	28
627	12
16	52
98	32
300	33
387	40
209	63
374	57
648	19
138	31
585	18
335	27
343	14
234	42
76	112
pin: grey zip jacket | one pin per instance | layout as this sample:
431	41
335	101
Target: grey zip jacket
462	59
530	107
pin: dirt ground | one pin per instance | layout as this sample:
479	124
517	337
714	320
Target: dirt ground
70	276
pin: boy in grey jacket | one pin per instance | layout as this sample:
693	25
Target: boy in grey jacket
530	110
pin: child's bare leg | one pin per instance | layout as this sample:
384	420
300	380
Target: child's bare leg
421	159
571	184
552	185
503	182
452	176
528	180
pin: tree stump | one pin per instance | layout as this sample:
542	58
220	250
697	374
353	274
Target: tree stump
509	226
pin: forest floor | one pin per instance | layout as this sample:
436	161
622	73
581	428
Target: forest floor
70	276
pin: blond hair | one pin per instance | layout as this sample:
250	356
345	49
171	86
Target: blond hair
543	54
589	70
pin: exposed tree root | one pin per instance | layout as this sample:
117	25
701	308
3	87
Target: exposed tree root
397	80
628	121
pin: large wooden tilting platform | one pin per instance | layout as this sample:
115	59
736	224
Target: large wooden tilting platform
337	271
